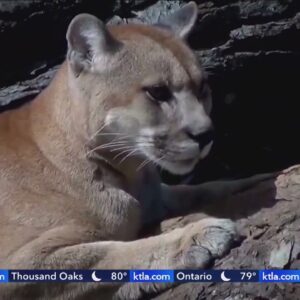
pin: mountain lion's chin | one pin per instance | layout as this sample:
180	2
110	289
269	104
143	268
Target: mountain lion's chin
179	167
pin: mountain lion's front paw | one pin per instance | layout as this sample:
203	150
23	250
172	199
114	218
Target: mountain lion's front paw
204	241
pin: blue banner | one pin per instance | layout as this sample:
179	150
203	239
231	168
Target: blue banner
3	276
155	276
216	276
67	275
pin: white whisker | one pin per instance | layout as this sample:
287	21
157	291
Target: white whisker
123	152
128	155
143	164
111	144
97	132
122	148
108	145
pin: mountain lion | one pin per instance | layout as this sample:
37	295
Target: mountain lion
78	164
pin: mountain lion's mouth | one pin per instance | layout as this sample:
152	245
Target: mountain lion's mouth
178	166
182	161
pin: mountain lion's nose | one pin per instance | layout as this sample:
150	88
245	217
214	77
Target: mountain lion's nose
203	138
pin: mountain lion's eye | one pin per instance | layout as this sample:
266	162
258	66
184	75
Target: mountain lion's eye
160	93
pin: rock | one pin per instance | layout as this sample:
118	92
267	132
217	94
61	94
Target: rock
276	247
280	256
21	92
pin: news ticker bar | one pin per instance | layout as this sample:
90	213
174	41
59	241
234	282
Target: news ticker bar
152	276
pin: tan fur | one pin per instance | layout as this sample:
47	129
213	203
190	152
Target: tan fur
63	205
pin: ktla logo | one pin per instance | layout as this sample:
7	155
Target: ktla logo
3	276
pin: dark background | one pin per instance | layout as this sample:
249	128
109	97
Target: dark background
251	50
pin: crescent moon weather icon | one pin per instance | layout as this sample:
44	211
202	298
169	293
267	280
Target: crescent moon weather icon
95	278
223	277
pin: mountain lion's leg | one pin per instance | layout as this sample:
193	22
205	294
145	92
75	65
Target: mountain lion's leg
193	246
181	198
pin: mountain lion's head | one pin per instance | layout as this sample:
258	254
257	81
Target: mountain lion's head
142	90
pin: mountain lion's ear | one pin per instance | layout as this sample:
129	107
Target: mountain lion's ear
88	39
182	21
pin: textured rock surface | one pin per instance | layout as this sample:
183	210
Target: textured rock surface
251	51
269	218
